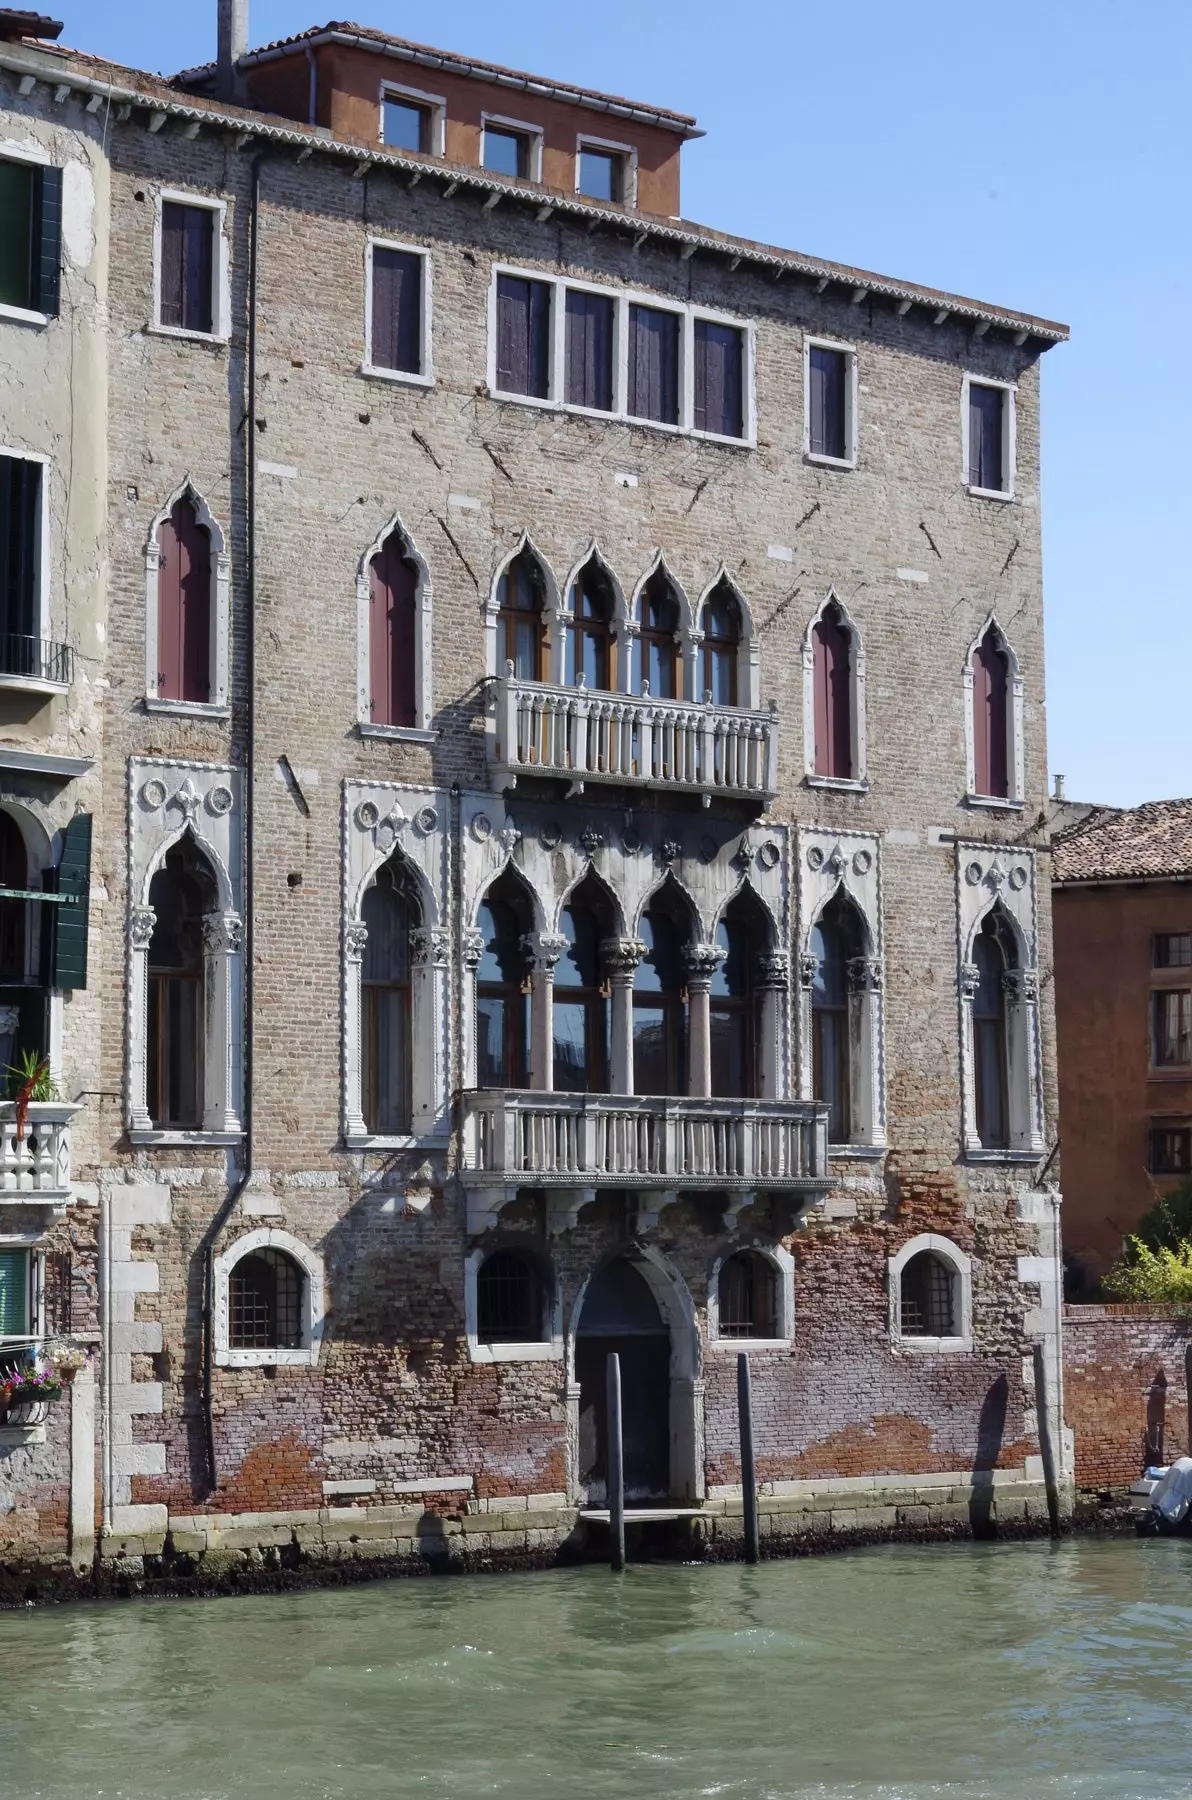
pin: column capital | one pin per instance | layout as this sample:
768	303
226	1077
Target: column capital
355	938
968	980
141	921
1021	986
808	968
621	955
701	962
771	969
223	933
429	947
544	948
472	948
865	974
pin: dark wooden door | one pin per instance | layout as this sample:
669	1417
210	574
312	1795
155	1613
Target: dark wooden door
645	1412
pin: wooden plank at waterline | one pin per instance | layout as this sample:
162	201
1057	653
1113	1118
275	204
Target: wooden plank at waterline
616	1467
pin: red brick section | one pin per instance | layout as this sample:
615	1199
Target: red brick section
1125	1395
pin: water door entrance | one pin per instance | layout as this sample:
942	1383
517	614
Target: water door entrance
620	1313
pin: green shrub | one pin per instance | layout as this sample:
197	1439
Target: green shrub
1162	1276
1168	1223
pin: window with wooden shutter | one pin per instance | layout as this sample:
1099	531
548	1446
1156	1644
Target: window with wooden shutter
184	607
15	1310
987	461
719	378
828	378
20	554
68	926
30	236
397	282
654	365
393	625
523	336
832	654
181	894
991	768
589	360
187	267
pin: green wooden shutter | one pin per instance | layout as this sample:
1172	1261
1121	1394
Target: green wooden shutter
47	242
68	952
14	1293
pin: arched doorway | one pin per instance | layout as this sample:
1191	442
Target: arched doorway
619	1312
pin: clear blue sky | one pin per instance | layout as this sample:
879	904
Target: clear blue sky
1037	157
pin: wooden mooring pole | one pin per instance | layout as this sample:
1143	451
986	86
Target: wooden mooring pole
1046	1440
1188	1392
616	1467
748	1466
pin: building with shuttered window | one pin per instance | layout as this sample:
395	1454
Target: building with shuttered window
559	695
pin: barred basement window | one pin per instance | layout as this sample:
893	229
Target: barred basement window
510	1299
747	1297
928	1297
265	1302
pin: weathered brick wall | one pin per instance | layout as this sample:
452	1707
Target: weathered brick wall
1125	1390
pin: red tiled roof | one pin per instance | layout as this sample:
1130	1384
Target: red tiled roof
1140	843
17	24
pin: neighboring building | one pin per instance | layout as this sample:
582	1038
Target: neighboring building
1122	900
566	689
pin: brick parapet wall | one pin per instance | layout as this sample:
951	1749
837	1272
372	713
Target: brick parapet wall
1125	1390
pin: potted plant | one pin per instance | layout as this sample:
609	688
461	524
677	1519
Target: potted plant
29	1079
27	1389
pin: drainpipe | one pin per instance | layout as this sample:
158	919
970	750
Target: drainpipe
250	563
312	105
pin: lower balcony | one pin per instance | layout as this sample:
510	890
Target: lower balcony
574	1144
35	1161
30	665
635	741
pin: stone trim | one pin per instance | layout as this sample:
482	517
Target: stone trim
1015	706
221	580
783	1264
1001	876
314	1309
858	780
122	1278
962	1269
423	634
847	863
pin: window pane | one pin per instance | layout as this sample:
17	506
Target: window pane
654	365
1173	1026
600	174
506	152
927	1298
729	1052
17	181
397	311
187	239
986	408
828	370
571	1046
1171	1150
386	1046
20	495
650	1062
719	378
1173	950
589	350
523	336
509	1300
406	126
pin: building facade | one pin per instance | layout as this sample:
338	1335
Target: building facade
562	700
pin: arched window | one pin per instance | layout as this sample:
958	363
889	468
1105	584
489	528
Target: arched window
521	619
832	679
659	1002
833	942
590	635
993	956
733	1007
511	1299
14	873
747	1297
183	606
393	634
181	894
720	650
991	716
582	1002
389	911
503	988
656	652
265	1293
928	1301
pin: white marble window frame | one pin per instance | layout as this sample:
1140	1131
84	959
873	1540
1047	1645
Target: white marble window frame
422	732
1015	800
548	1348
962	1272
783	1264
221	294
220	605
1005	876
848	863
313	1309
858	782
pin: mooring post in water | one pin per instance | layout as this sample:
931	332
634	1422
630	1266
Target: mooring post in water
748	1468
1046	1440
616	1467
1188	1391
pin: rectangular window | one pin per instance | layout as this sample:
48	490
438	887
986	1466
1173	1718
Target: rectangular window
1173	1027
987	434
1173	950
507	152
397	277
654	365
405	125
15	1310
30	236
1171	1150
589	365
523	336
188	266
719	378
20	564
828	379
601	173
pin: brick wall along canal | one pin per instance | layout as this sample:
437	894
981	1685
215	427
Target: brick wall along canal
1023	1670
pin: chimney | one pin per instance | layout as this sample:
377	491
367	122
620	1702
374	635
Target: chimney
232	44
1059	788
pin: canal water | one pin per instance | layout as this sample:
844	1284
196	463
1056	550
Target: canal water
1026	1670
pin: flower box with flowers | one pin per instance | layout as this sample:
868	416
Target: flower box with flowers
27	1389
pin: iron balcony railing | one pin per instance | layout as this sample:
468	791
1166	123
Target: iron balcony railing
524	1138
35	1161
35	659
635	740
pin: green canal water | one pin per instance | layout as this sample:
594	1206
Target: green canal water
1024	1670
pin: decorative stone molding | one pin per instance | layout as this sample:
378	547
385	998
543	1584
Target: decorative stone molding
1003	877
1015	754
621	956
702	961
859	776
865	974
429	948
543	950
846	864
772	969
221	581
312	1311
423	635
169	800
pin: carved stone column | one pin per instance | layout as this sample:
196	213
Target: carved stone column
223	964
620	957
702	961
471	950
543	948
771	978
429	952
866	1049
968	980
1021	988
808	968
141	921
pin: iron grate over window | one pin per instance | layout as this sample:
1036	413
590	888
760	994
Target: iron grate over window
509	1299
265	1303
746	1297
928	1304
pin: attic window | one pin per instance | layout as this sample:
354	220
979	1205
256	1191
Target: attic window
409	124
601	174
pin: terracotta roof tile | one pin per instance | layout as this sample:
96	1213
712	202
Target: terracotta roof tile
1126	843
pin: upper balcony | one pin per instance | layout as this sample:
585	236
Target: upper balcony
30	665
35	1160
633	740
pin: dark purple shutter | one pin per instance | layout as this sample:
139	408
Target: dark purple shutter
828	372
719	378
833	697
589	360
523	336
991	770
187	268
397	311
184	608
985	438
654	365
172	237
393	608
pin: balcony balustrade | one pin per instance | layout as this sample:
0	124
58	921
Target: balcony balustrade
35	665
634	740
35	1166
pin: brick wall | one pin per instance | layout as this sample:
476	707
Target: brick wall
1125	1390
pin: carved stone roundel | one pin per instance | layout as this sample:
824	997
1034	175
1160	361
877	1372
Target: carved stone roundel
769	855
815	857
367	815
220	800
154	794
1018	878
550	837
426	819
862	862
482	828
973	874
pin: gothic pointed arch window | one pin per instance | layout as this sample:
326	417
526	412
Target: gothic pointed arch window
656	663
834	942
733	1000
720	649
991	696
393	635
14	873
582	1007
591	649
184	606
181	895
832	657
521	619
660	999
994	955
503	986
389	912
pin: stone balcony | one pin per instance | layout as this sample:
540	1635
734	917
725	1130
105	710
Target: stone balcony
35	1167
677	746
574	1144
